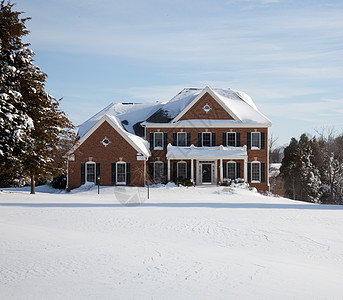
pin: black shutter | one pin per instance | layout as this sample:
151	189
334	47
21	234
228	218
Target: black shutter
213	139
174	138
249	140
249	172
200	139
174	171
165	140
263	172
188	139
225	170
238	139
114	173
263	140
151	169
188	175
151	140
83	179
97	179
224	139
238	170
128	175
165	170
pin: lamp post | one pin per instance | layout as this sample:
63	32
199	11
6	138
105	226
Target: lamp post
98	180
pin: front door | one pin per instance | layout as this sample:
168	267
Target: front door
206	173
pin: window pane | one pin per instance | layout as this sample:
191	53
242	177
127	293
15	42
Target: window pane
158	139
181	139
206	139
231	170
255	172
181	170
158	171
231	139
121	174
255	139
91	172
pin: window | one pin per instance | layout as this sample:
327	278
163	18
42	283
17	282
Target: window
121	173
90	172
231	170
231	139
158	140
182	170
255	140
105	142
255	172
206	139
206	108
181	139
158	171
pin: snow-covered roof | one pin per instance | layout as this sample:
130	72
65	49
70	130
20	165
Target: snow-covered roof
140	144
131	115
128	114
176	152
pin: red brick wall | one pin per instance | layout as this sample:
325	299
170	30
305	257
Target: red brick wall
259	155
105	155
217	112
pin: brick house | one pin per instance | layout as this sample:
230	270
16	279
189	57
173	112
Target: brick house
206	135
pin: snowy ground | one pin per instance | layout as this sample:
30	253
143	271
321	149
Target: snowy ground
195	243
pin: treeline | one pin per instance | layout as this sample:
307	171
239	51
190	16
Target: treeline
312	169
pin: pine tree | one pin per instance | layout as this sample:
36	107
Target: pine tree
290	169
49	126
15	124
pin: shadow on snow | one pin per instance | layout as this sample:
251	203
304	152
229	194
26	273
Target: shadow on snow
181	205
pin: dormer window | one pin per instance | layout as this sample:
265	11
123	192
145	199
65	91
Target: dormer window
206	108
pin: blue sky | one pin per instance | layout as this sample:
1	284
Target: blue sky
287	55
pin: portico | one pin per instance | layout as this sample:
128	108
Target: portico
207	160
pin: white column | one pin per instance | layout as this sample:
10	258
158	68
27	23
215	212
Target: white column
168	169
221	170
192	170
246	169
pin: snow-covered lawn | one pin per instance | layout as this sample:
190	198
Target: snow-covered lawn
195	243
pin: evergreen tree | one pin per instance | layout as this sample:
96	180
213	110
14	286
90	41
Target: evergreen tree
49	126
15	124
290	169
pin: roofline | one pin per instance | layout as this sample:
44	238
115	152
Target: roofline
105	118
207	89
205	124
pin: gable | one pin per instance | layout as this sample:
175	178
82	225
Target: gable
216	112
112	127
118	146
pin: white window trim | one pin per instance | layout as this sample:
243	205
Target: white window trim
177	170
227	169
177	138
120	182
259	172
158	162
227	139
202	139
86	172
158	147
259	141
